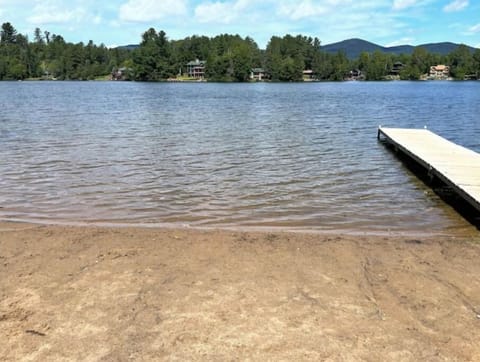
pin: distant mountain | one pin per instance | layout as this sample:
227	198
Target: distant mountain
442	48
129	47
354	47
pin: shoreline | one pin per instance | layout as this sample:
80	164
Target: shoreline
169	81
461	233
89	292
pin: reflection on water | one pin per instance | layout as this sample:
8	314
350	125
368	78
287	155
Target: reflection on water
296	156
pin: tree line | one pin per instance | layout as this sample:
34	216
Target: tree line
227	57
50	56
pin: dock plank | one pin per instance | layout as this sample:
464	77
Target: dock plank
455	165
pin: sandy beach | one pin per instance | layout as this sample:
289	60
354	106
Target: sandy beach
116	294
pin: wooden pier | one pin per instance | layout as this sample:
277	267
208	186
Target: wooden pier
456	166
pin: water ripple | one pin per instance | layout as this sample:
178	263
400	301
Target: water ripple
296	156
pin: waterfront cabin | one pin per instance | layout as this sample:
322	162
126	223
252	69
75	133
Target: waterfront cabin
257	74
439	71
396	68
308	75
354	74
122	73
196	69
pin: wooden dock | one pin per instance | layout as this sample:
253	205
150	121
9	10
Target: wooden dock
456	166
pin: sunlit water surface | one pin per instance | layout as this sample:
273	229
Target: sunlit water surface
289	156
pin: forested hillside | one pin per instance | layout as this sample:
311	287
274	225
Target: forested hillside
354	47
226	58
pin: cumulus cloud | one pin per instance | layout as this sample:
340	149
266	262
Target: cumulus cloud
222	12
149	10
455	5
303	9
214	12
53	13
227	12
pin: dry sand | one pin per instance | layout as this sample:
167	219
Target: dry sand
118	294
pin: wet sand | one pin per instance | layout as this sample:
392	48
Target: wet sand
117	294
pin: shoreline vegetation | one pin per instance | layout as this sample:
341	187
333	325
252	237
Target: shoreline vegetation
223	58
180	294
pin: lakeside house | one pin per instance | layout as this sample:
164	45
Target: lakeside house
196	69
439	72
122	73
473	76
396	69
354	74
394	72
258	74
308	75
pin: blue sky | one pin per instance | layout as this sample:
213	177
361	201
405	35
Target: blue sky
121	22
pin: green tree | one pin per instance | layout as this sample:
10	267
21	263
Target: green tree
323	66
8	34
273	57
291	69
420	60
38	37
461	62
151	59
341	66
377	66
241	62
231	58
287	57
410	72
476	63
218	68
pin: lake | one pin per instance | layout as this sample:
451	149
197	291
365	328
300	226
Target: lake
300	156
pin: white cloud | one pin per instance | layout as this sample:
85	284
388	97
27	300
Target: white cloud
304	9
214	12
222	12
455	5
403	4
474	29
50	12
228	12
402	41
394	22
310	8
149	10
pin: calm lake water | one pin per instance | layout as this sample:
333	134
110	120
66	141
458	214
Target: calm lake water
293	156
